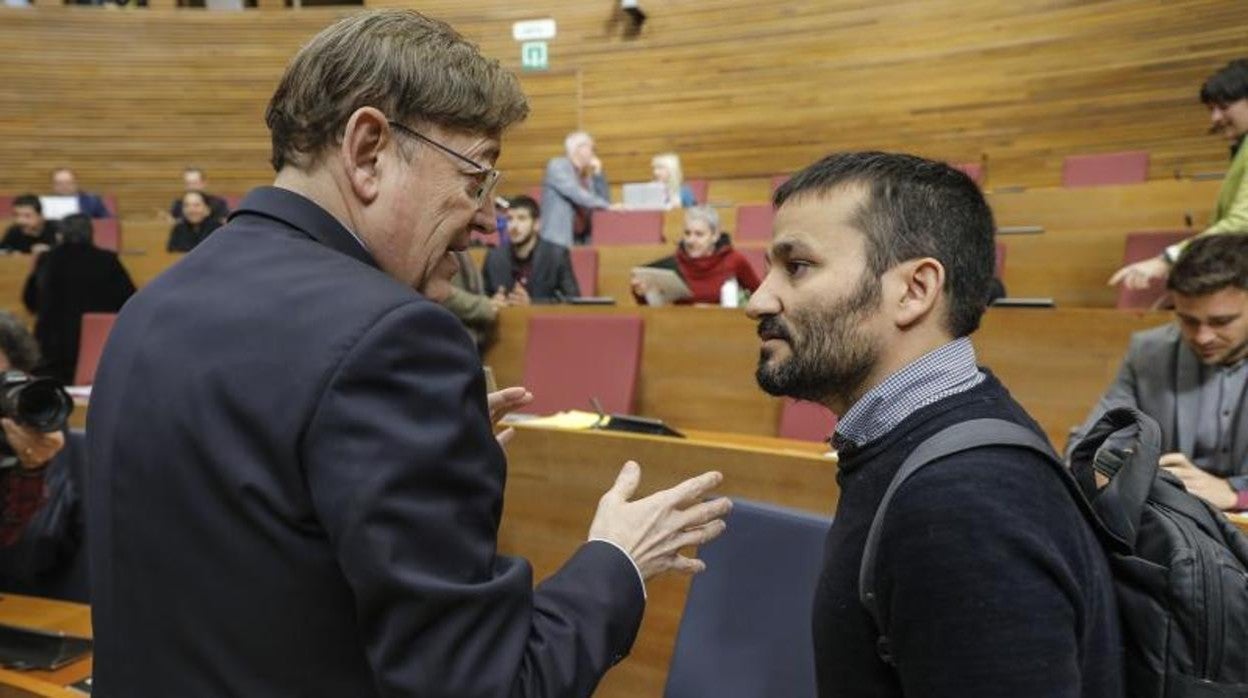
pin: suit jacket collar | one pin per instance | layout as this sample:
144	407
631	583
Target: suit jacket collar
305	215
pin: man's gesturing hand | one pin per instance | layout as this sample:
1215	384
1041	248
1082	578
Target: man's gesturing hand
654	529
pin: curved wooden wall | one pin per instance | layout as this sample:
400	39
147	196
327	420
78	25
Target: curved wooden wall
738	88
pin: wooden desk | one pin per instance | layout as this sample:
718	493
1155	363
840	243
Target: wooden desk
555	479
45	614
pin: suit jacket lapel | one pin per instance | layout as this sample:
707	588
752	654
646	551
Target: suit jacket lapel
1187	396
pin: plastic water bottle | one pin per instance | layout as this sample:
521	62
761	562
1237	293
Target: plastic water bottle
730	293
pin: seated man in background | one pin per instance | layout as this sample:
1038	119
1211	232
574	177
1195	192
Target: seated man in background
30	232
21	488
65	183
705	260
528	268
571	189
73	278
194	180
1225	93
1190	375
197	222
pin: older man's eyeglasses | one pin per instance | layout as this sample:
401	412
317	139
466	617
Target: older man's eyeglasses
486	177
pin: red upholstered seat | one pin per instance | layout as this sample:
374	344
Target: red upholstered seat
807	421
6	205
232	201
110	202
699	188
754	222
1130	167
1141	246
106	233
535	193
974	170
585	268
998	268
627	227
95	329
570	359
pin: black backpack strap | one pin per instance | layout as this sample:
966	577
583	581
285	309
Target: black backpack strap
1120	504
957	438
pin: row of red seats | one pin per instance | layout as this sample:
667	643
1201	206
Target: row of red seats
562	366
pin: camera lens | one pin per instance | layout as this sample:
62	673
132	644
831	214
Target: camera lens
44	405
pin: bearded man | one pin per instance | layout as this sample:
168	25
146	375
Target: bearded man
989	580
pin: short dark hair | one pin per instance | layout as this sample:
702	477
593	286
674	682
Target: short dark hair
1211	263
1229	84
527	203
75	229
17	344
30	201
915	208
415	69
202	196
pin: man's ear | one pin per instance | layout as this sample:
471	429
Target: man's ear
920	284
362	152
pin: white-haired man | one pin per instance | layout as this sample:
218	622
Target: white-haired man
573	187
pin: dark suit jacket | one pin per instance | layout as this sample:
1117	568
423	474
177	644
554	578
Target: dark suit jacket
93	205
1160	376
552	271
296	491
68	281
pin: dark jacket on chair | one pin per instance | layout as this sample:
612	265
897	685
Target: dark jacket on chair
308	505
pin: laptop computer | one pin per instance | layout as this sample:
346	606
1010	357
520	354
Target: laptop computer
57	207
645	195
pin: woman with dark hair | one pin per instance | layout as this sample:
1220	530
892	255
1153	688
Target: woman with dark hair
196	224
74	278
1225	93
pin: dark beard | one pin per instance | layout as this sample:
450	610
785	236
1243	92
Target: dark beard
831	359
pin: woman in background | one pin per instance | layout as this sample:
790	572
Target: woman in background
197	223
705	260
667	171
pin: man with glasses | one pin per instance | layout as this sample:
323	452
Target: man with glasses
296	487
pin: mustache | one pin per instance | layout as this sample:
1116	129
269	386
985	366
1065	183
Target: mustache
772	327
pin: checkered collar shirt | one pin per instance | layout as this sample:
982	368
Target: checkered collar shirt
948	370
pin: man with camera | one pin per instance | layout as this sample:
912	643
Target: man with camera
27	449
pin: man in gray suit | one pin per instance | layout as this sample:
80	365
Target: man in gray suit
1191	376
573	187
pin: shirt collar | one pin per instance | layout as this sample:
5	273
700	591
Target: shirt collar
306	216
944	371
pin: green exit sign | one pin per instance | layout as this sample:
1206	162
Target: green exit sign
533	55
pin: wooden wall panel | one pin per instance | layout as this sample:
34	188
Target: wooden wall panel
739	89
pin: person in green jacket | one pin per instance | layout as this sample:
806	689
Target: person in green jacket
1226	95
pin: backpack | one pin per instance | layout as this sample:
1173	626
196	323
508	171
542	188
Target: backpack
1180	567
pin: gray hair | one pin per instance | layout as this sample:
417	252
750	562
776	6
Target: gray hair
415	69
17	344
575	139
706	214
